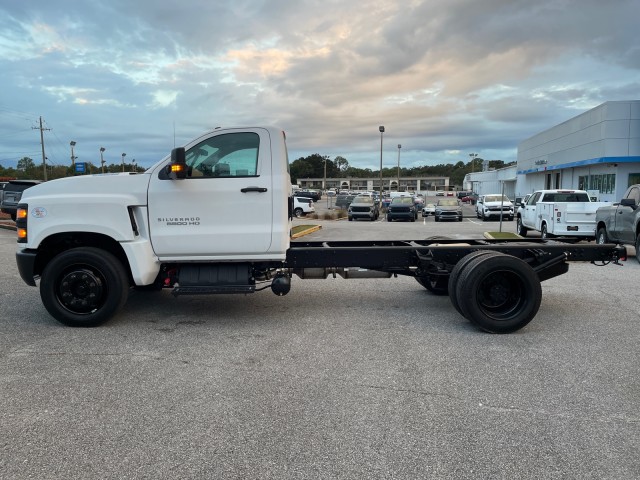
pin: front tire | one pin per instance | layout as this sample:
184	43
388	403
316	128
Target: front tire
638	248
84	287
521	229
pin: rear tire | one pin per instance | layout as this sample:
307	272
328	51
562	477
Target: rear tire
457	270
499	293
601	237
544	234
638	248
298	212
84	287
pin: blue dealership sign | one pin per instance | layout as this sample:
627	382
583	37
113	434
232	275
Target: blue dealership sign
80	167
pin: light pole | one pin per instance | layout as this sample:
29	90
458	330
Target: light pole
324	179
102	149
73	158
123	155
133	165
473	158
381	130
399	147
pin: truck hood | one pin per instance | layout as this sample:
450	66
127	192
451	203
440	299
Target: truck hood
131	188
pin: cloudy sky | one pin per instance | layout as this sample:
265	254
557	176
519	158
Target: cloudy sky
445	77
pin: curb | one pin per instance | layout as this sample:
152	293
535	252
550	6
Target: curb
306	232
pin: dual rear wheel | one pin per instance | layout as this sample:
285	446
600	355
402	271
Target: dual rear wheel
498	293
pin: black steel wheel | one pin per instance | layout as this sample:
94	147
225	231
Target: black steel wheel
601	236
458	269
521	229
498	293
84	287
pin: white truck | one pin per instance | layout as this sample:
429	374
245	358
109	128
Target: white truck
494	205
214	217
559	213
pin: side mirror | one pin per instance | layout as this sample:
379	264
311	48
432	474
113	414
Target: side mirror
177	169
629	202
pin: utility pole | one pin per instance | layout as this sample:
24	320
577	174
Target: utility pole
44	159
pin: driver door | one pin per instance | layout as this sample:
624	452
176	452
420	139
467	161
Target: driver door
223	207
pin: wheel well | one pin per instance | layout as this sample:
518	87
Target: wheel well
600	225
58	243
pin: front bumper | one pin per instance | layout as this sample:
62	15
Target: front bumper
26	261
449	216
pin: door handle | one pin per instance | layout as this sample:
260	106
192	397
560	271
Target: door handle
253	189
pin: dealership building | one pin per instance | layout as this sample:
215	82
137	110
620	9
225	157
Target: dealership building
598	151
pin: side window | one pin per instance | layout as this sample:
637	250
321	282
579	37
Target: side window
534	198
635	194
227	155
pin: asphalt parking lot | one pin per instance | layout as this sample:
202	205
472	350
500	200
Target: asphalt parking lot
338	379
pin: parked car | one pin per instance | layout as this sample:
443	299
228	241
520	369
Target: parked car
471	199
429	209
448	209
463	194
620	222
12	194
302	206
315	195
402	208
363	206
343	201
494	205
520	203
439	194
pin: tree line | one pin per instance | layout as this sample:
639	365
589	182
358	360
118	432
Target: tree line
313	167
26	168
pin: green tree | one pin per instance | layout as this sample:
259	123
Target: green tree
25	164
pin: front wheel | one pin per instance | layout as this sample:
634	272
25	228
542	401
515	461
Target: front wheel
521	229
84	287
638	248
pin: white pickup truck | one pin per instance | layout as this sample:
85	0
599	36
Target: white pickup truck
559	213
215	218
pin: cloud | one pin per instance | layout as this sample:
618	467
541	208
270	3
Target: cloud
443	77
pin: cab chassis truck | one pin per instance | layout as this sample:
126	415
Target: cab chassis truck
214	217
